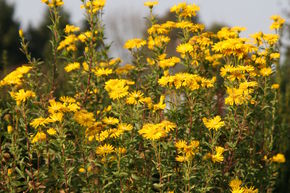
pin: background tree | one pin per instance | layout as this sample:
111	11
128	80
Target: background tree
9	42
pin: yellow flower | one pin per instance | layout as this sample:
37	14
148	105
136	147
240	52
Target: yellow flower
125	127
278	22
278	158
251	190
117	88
275	56
71	28
152	132
21	96
103	72
104	149
51	131
9	129
150	4
214	123
82	170
9	172
161	105
84	118
275	86
235	185
266	71
170	62
94	6
120	150
72	66
14	78
40	136
184	48
181	144
218	157
53	3
134	98
20	32
67	99
110	120
69	43
39	122
125	69
134	43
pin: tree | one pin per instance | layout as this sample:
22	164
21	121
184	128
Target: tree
9	44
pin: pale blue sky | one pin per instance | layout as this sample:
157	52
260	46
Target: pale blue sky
252	14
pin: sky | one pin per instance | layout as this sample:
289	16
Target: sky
252	14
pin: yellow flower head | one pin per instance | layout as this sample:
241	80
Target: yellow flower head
214	123
150	4
72	66
21	96
278	22
134	43
117	88
104	149
110	120
278	158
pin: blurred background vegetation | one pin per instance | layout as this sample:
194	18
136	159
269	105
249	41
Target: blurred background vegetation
38	37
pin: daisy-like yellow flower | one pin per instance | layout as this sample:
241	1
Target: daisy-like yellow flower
278	22
135	98
125	69
21	96
235	184
214	123
14	78
134	43
152	132
120	150
161	105
53	3
275	86
9	129
278	158
186	152
94	6
51	131
150	4
39	122
218	157
72	66
181	144
71	28
105	149
103	72
184	48
110	120
125	127
84	118
266	71
40	136
117	88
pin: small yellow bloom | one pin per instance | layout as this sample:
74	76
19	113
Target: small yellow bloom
278	158
105	149
20	33
214	123
9	129
51	131
9	171
134	43
82	170
275	86
150	4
